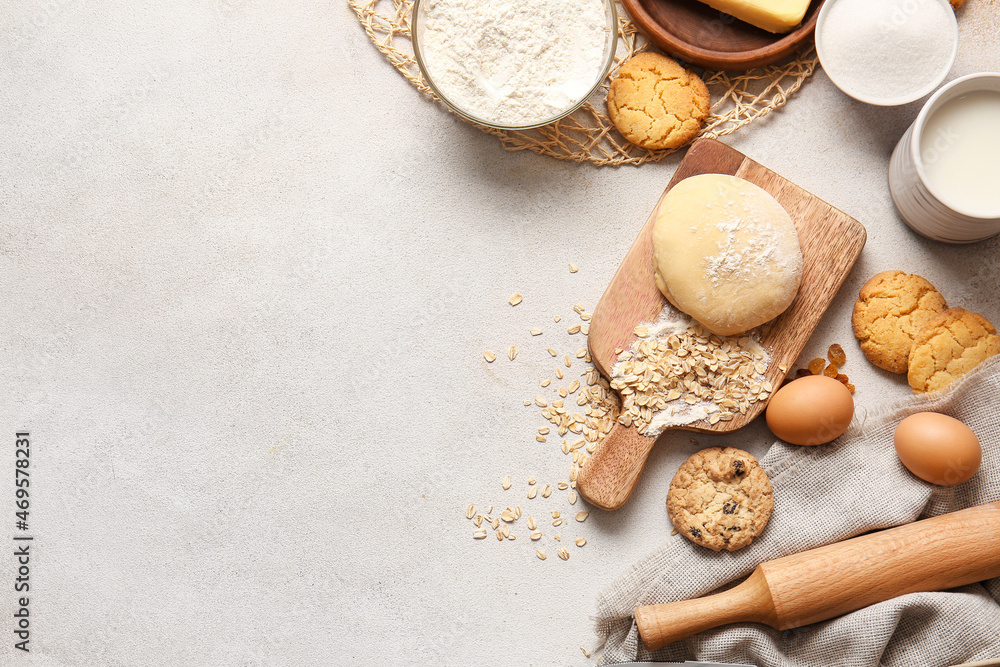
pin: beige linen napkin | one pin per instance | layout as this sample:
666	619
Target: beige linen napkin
826	494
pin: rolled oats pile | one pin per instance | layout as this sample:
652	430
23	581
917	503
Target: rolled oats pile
676	373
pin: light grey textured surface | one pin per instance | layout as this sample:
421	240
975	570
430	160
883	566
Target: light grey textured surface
248	277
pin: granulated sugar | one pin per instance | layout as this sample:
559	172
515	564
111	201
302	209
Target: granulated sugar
514	62
885	49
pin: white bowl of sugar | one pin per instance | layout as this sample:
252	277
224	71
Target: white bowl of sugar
514	64
887	52
944	174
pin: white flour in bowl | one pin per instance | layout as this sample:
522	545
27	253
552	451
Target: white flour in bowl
513	62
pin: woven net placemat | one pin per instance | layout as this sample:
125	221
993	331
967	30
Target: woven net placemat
587	135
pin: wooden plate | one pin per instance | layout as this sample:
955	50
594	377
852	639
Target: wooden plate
831	241
696	33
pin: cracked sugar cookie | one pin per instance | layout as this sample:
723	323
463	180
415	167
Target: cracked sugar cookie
892	307
655	103
950	345
720	498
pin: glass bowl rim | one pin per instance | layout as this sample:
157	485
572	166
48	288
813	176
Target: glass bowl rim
610	11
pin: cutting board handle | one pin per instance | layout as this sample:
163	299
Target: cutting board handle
610	476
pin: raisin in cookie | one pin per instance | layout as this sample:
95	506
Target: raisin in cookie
892	308
720	498
949	346
655	103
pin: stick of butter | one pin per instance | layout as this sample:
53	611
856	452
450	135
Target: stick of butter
771	15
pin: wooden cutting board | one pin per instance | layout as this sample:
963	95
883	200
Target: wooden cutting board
831	241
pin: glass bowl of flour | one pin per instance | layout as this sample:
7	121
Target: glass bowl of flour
514	64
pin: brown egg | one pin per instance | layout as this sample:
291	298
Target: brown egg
937	448
810	411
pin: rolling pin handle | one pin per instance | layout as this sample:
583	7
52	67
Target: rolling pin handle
662	624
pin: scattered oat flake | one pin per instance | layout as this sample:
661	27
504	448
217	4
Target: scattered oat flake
586	653
505	483
536	331
581	541
531	523
541	402
552	352
572	497
540	438
556	318
573	268
581	353
540	554
470	511
489	356
532	492
559	373
641	331
575	329
783	367
536	535
531	480
514	299
527	403
582	516
512	352
563	553
568	361
479	534
546	382
508	516
547	491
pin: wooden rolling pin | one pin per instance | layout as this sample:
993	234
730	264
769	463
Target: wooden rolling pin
930	555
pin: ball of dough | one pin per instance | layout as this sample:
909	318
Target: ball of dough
726	253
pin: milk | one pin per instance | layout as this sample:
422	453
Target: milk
960	152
